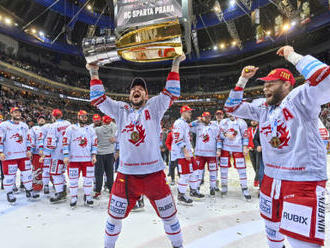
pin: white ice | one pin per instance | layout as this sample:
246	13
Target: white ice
211	223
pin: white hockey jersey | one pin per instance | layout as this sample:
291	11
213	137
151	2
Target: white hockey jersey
301	155
14	141
36	137
237	128
53	144
41	141
324	133
181	138
207	137
79	143
138	130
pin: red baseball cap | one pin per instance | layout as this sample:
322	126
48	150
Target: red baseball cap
219	112
96	117
106	119
57	112
280	74
82	112
205	114
15	109
185	108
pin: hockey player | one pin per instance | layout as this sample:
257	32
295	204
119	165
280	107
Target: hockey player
79	150
182	151
292	198
97	121
207	134
233	132
141	165
34	136
253	152
54	148
15	154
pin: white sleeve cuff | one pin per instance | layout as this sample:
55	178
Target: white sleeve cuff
242	82
294	58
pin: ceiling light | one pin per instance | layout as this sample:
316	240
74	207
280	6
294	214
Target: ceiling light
222	45
286	27
215	48
268	33
89	7
234	43
293	23
16	24
232	3
41	33
33	31
8	21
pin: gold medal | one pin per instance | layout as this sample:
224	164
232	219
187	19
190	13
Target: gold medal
135	136
275	142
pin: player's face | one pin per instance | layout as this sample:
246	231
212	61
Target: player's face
138	96
207	119
83	119
187	115
254	123
97	123
219	116
16	115
230	116
274	92
41	122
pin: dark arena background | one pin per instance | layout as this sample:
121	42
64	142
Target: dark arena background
43	67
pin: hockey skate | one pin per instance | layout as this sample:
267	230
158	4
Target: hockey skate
46	189
139	206
59	197
73	202
196	194
15	189
88	201
184	200
246	194
11	198
21	187
212	192
223	191
31	195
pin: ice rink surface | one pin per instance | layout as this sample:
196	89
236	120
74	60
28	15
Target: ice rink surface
229	222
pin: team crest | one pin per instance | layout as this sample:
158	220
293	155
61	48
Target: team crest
282	138
206	138
82	141
18	138
137	133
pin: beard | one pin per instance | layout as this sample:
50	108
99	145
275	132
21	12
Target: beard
82	121
276	98
16	118
98	124
138	104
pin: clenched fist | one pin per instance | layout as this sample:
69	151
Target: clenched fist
285	51
249	71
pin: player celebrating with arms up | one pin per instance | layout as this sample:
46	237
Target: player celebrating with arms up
292	197
141	166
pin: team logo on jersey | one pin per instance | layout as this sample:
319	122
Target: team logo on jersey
283	135
232	131
82	141
137	133
206	138
18	138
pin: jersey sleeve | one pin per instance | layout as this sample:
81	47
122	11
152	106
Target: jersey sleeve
242	109
193	126
316	91
101	101
31	140
66	142
168	141
159	104
40	139
244	133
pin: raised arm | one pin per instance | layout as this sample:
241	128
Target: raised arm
316	91
235	103
97	94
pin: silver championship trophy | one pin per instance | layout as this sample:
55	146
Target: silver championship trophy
146	31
